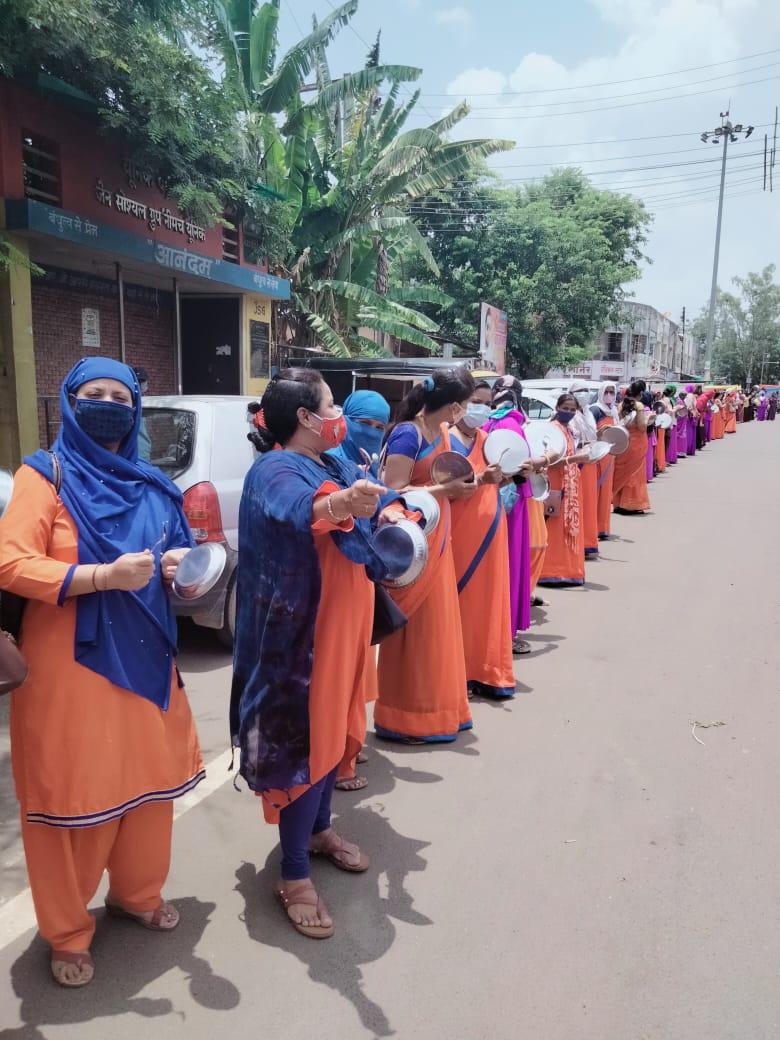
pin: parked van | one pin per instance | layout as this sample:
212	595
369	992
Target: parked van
201	444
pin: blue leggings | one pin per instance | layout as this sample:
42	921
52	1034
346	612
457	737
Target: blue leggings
309	814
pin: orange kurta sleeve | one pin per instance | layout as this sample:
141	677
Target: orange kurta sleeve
26	567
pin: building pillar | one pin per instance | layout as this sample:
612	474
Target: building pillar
18	393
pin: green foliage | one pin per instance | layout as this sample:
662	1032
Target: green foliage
129	57
554	255
747	330
10	256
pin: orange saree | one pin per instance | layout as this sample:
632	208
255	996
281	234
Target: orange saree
590	508
605	472
481	554
629	486
422	672
564	561
537	532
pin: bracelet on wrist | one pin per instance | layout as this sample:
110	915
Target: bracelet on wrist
94	577
331	514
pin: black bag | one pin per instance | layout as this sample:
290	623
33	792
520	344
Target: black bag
388	616
11	605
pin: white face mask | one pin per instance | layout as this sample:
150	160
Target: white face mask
476	415
583	398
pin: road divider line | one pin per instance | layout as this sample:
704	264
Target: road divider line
17	916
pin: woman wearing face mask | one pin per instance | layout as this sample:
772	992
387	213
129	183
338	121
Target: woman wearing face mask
605	414
422	675
367	414
481	553
526	529
630	480
564	562
102	738
303	626
583	428
669	398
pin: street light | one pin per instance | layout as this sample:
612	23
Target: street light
725	132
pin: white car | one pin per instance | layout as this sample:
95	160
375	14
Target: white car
201	444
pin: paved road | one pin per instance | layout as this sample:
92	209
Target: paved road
579	868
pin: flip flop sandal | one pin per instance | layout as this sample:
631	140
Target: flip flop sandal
81	960
305	897
521	646
164	912
362	758
351	783
337	848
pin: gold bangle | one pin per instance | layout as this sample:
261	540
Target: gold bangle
334	518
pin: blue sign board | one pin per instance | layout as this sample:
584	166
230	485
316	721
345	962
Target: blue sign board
26	215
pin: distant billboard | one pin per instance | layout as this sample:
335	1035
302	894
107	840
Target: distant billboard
492	337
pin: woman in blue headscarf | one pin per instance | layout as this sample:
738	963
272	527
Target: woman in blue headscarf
102	737
367	414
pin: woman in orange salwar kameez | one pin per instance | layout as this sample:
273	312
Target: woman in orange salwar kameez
564	561
606	414
102	738
303	626
630	481
481	553
422	674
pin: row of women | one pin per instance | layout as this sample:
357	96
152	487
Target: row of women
102	736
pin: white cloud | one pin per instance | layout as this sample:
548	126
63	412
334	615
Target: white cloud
457	18
539	103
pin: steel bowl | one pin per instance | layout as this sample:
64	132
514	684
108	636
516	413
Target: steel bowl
200	570
540	487
507	449
451	465
599	451
424	502
546	438
403	548
617	437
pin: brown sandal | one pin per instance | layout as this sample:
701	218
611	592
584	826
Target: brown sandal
336	849
81	960
362	758
351	783
164	919
305	896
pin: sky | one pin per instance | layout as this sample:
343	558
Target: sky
621	88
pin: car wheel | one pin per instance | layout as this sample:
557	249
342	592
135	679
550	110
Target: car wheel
227	633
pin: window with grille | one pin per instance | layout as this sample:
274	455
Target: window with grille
41	167
615	346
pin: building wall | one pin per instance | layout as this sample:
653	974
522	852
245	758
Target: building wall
57	334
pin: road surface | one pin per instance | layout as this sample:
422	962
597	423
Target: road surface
586	865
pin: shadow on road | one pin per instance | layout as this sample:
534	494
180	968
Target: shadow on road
127	960
364	906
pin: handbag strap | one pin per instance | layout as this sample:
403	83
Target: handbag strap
56	471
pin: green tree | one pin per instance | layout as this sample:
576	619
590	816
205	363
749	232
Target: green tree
131	60
553	255
747	330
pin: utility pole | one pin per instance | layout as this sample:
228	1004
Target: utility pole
727	132
682	346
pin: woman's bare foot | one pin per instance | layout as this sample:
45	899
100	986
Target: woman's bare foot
305	909
72	968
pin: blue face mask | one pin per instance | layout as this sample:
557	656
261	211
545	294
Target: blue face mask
564	417
361	435
106	422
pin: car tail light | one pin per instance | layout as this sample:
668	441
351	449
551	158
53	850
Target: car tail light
201	507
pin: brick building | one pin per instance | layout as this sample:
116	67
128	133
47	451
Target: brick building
125	273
